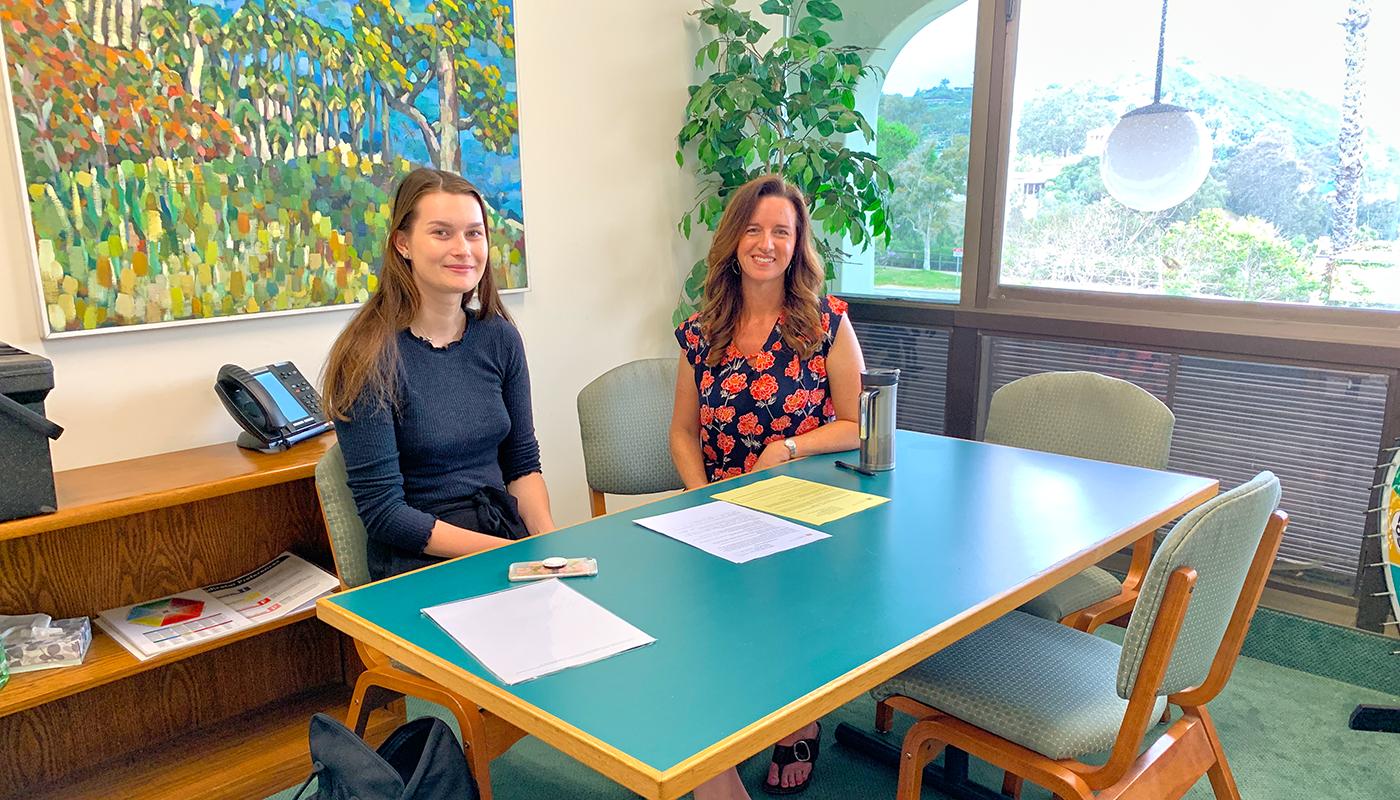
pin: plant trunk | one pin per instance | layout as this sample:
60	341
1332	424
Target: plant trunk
1349	138
449	155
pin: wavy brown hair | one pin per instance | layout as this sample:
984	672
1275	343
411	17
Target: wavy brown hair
803	279
365	357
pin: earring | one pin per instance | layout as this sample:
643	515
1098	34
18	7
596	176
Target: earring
734	265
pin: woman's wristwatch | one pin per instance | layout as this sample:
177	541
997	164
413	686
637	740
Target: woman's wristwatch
791	445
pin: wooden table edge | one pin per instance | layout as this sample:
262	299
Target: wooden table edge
675	781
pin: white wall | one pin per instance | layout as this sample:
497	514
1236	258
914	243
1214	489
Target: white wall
601	94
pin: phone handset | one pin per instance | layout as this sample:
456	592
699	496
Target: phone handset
237	387
275	405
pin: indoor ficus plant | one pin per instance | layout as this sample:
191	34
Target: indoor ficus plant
783	109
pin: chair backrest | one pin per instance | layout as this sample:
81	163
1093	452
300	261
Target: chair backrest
1219	540
624	417
1082	414
348	537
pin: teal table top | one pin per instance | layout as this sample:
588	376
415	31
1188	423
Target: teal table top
971	530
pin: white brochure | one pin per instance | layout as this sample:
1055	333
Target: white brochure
732	532
533	630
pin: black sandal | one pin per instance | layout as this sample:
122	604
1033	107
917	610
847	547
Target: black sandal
800	750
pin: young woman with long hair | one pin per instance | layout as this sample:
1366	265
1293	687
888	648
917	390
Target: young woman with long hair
770	372
430	392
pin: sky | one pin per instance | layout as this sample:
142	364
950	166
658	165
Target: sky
1291	44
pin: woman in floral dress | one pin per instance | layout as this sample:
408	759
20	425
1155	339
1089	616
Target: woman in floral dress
770	372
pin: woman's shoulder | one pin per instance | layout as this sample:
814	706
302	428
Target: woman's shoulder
498	328
831	304
691	335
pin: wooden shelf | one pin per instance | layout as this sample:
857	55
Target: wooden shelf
122	488
250	756
108	661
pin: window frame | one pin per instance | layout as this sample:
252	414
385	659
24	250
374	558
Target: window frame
994	74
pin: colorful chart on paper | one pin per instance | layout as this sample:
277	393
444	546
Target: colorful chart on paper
193	160
165	612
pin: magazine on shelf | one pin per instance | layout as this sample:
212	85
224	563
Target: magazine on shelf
283	586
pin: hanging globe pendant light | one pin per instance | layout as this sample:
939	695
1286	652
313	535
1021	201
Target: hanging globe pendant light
1157	155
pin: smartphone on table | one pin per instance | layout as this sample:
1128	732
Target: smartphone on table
551	568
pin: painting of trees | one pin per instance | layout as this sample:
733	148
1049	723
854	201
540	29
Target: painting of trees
191	159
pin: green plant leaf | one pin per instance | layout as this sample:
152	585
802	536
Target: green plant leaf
809	24
824	9
775	7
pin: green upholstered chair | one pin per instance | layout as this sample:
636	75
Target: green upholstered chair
624	417
1032	696
484	735
1086	415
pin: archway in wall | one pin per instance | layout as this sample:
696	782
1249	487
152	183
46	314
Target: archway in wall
923	54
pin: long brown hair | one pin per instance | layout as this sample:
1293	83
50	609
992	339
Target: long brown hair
802	282
365	356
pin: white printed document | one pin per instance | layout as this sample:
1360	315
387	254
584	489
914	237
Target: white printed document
537	629
284	585
732	532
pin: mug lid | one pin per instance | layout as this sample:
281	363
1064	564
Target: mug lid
879	377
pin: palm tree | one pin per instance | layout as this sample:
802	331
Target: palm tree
1349	138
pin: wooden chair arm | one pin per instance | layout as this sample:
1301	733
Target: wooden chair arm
1142	559
1233	641
1152	671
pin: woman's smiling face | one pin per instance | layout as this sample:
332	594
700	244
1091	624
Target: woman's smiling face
447	245
766	248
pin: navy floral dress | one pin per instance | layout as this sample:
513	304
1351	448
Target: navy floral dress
748	402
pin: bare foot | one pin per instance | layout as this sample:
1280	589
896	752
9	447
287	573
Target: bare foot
724	786
795	773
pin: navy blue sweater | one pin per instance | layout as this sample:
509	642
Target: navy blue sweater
462	425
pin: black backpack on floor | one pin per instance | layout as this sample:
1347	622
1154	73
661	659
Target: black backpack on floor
421	760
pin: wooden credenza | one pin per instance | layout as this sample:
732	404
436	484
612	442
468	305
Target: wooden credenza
224	719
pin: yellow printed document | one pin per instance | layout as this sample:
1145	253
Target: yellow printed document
805	501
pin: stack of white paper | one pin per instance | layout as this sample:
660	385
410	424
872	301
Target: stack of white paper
732	532
537	629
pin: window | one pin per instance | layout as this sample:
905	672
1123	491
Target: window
922	138
1277	220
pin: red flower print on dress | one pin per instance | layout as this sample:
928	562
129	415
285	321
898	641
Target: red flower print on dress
710	454
750	461
808	424
707	415
762	361
781	423
815	397
731	352
726	443
794	370
734	383
704	434
706	381
778	345
818	366
796	401
692	338
725	414
829	410
777	437
748	425
732	472
838	306
763	388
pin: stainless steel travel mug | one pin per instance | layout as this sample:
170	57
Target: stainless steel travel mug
877	408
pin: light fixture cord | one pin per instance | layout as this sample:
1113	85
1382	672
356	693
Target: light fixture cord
1161	52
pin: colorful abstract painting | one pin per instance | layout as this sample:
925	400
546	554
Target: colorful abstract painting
201	159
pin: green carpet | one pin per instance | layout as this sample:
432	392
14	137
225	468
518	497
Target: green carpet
1285	734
